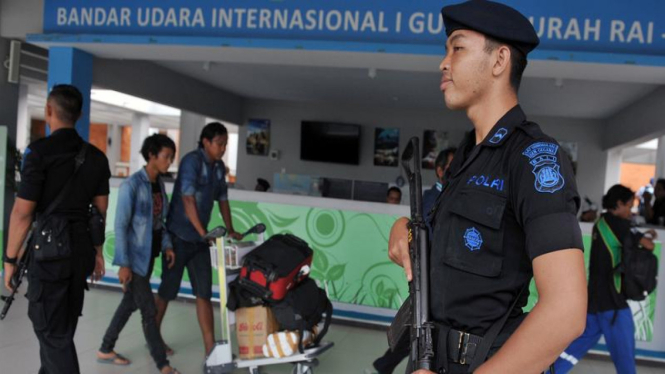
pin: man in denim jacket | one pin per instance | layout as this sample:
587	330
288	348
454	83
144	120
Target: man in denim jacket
140	238
201	181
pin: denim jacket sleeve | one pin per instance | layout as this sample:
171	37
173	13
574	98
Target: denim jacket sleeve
123	220
188	170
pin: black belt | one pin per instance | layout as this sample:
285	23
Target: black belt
462	346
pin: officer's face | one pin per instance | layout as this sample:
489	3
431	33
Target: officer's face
465	70
163	160
216	147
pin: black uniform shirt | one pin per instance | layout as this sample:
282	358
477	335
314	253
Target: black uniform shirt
507	201
602	294
47	165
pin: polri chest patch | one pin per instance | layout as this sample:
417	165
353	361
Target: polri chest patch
473	239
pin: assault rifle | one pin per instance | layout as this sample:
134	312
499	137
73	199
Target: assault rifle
412	324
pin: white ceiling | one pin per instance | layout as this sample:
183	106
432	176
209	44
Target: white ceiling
99	112
589	91
405	89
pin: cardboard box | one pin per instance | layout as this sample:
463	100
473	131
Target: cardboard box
253	325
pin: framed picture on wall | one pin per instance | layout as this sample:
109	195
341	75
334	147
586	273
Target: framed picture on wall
258	137
433	143
386	147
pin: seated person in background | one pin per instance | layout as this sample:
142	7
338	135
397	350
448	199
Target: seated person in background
648	189
655	214
394	196
589	211
262	185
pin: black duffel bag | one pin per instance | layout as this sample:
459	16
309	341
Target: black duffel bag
303	308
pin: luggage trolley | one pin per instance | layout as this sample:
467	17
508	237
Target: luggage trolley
221	360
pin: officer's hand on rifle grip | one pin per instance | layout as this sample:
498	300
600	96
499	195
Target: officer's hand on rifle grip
398	245
10	269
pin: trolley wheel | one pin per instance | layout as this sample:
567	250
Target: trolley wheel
300	369
306	367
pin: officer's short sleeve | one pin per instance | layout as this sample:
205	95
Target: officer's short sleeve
546	199
188	173
32	176
103	188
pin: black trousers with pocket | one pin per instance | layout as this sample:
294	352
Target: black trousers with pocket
55	301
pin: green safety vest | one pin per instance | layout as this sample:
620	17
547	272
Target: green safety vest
613	247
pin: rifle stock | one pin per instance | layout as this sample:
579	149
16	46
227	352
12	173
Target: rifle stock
412	323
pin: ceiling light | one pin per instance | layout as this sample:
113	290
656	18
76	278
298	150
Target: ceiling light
134	103
651	144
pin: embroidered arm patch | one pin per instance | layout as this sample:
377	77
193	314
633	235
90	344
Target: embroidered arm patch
546	168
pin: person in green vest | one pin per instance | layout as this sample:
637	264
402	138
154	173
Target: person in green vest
608	312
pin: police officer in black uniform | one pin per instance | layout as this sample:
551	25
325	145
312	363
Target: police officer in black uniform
55	289
507	212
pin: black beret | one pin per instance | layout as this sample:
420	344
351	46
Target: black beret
493	19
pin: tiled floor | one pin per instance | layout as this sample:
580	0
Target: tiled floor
354	350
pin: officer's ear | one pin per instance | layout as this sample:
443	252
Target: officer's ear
501	61
49	110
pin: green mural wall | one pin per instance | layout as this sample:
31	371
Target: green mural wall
351	253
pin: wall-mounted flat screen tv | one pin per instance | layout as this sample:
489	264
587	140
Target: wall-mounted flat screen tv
330	142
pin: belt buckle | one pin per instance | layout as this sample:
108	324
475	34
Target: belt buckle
463	341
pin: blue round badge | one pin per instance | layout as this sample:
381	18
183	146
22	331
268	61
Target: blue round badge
548	177
473	239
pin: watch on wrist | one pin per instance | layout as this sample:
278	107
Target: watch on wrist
12	261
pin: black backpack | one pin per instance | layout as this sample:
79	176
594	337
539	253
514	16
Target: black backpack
639	268
303	308
637	271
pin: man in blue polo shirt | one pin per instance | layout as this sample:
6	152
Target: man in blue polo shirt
441	165
201	181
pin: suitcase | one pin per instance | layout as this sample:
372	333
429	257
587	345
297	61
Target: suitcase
276	266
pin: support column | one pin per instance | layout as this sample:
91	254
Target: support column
114	142
8	116
72	66
613	170
191	125
660	159
140	131
23	119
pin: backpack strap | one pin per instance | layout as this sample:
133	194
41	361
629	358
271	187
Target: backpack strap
614	247
320	334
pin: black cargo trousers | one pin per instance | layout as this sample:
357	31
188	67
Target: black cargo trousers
55	295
